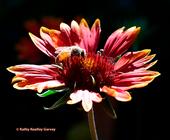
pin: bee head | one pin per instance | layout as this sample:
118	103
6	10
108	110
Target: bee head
77	51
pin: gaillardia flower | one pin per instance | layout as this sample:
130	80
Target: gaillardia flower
83	70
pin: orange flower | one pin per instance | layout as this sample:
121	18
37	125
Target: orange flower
25	48
86	72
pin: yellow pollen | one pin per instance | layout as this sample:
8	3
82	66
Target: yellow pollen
63	56
88	63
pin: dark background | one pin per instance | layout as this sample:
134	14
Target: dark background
144	118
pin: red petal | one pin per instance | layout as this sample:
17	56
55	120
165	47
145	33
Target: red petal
35	77
45	48
120	41
38	86
90	37
111	40
66	33
132	60
32	69
45	35
135	79
95	36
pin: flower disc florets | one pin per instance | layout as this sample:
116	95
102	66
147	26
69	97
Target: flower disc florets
90	72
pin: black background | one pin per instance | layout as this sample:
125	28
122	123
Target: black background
145	117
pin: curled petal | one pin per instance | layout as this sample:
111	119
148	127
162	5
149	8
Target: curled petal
86	97
96	97
117	93
87	102
75	98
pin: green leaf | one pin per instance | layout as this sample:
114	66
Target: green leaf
108	108
59	102
51	92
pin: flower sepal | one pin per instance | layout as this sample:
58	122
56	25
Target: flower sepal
60	101
107	106
51	92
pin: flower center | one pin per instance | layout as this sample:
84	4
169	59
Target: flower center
90	72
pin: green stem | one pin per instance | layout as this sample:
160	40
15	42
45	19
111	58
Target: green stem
92	125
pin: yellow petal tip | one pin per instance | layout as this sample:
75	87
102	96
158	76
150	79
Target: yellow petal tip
97	21
17	79
84	22
31	35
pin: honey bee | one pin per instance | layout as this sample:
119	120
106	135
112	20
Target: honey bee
65	52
